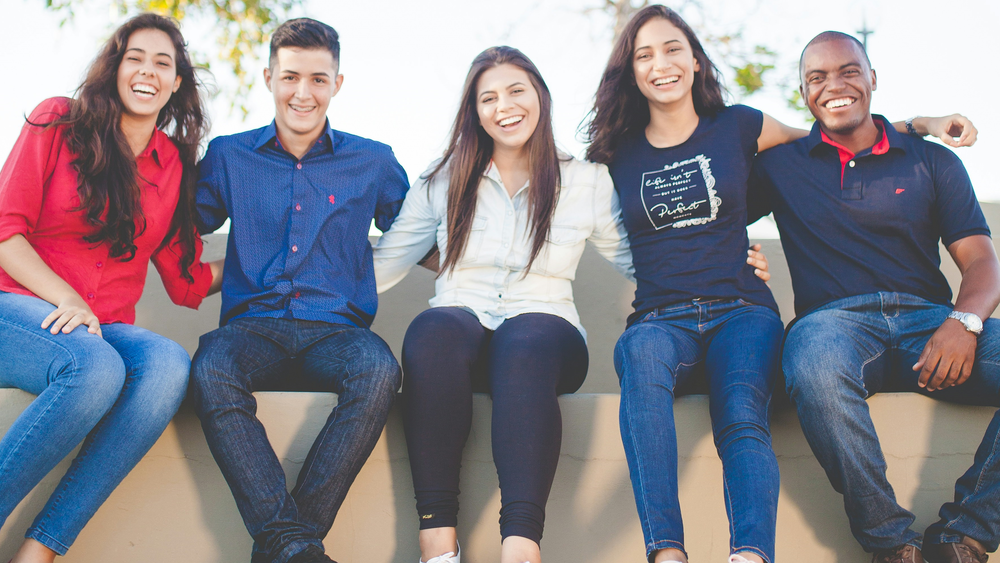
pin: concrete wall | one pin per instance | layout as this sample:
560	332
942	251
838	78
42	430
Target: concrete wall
175	506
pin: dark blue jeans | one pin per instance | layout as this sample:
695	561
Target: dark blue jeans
735	345
262	354
846	351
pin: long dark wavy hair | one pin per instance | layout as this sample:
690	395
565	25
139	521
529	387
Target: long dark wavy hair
471	148
109	179
619	106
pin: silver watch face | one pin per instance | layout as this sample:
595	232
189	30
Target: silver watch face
973	323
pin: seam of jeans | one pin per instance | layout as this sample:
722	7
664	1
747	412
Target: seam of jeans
48	541
638	460
657	545
729	508
979	480
862	374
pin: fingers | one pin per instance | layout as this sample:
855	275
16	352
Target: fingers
922	367
757	259
51	317
65	319
959	131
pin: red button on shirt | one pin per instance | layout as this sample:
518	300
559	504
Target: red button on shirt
295	248
298	207
38	194
299	166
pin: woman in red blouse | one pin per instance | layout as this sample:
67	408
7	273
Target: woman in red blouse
93	190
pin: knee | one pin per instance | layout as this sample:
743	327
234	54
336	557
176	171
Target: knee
639	357
169	364
97	374
378	369
214	379
443	330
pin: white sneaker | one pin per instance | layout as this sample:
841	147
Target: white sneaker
450	557
737	558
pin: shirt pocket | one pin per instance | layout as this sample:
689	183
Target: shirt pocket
562	251
474	245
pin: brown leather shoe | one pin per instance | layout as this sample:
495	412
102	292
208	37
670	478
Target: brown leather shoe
899	554
955	553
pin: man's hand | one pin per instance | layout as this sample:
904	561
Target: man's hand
947	358
757	259
954	130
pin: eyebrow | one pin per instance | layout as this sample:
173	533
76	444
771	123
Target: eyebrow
143	51
511	85
650	46
295	72
842	67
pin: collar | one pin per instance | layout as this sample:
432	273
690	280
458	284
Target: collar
155	147
494	174
890	139
269	137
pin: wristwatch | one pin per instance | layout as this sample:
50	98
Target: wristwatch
971	321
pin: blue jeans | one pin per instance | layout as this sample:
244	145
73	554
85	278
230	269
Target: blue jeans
116	393
735	345
844	352
264	354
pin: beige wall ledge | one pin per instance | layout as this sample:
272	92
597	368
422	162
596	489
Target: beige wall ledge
175	506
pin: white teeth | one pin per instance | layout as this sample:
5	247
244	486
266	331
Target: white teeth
143	89
300	108
511	120
839	103
667	80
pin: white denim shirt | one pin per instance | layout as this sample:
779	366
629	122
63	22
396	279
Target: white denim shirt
488	278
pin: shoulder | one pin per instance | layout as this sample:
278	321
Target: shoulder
740	111
50	110
347	143
582	174
237	142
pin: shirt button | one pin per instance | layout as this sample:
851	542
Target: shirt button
298	207
90	296
298	294
295	248
509	212
100	264
851	164
299	166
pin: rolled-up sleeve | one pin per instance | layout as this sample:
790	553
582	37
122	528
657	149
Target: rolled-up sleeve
24	175
167	260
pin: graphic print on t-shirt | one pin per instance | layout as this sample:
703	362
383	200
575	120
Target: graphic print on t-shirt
681	194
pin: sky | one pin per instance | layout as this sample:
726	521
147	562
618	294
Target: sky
404	62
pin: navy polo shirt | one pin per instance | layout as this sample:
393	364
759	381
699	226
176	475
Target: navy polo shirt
684	208
870	224
298	241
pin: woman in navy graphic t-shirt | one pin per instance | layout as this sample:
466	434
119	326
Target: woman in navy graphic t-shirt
680	160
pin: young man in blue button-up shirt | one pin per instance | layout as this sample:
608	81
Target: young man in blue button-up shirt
861	209
298	296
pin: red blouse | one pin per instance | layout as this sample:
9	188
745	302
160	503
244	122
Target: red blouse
38	194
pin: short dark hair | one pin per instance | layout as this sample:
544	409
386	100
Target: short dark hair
834	36
305	33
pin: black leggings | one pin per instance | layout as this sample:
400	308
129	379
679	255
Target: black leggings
524	364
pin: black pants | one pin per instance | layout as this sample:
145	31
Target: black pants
524	365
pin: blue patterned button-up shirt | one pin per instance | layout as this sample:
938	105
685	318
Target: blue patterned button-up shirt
298	241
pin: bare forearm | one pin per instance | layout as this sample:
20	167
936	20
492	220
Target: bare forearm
21	262
980	289
216	268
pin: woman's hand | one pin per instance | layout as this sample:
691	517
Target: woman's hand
757	259
71	313
954	130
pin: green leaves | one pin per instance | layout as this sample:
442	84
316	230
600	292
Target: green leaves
242	28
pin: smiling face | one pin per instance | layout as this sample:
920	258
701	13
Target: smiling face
837	85
303	81
664	64
508	106
147	75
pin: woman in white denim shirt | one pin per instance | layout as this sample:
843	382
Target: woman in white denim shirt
503	319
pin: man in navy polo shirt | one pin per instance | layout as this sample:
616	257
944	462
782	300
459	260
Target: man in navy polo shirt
860	210
298	296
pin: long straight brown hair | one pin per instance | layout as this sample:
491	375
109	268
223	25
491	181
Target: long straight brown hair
471	149
109	180
619	106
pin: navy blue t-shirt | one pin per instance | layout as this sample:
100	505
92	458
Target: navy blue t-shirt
685	212
870	225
